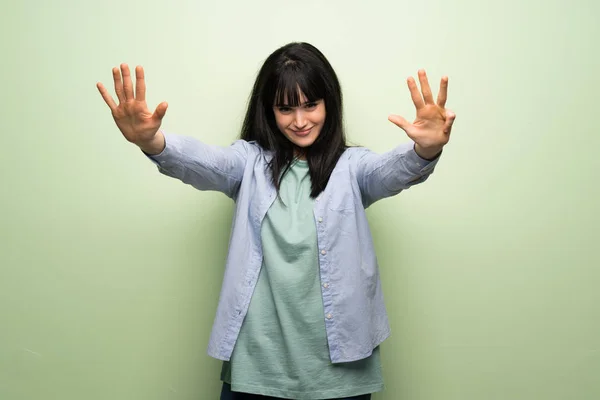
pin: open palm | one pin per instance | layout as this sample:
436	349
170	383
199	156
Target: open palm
133	118
431	129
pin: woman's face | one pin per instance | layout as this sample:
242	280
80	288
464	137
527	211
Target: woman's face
301	125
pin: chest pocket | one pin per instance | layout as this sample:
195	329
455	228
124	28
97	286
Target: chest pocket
340	192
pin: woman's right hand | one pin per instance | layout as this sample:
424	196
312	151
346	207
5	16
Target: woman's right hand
132	116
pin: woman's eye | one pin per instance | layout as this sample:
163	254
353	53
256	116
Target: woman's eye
284	109
311	105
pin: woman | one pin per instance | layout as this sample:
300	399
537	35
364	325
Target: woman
301	312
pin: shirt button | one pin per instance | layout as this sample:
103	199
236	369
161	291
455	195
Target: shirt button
326	285
329	316
323	252
320	219
318	198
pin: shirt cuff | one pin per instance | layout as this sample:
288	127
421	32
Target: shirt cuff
419	164
169	153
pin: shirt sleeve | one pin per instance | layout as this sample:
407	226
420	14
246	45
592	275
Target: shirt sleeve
203	166
384	175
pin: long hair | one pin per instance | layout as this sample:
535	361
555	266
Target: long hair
293	67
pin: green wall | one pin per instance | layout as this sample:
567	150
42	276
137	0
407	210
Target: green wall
110	272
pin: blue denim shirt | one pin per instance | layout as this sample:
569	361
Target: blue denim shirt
355	315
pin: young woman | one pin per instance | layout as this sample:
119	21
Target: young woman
301	312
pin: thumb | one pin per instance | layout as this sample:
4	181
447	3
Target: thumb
400	122
160	111
450	117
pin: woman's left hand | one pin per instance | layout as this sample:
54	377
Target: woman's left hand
431	129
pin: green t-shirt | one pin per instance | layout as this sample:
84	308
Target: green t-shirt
282	347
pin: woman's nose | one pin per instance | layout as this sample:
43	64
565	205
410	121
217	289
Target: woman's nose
300	119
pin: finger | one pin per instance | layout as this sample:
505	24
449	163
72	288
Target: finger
414	93
127	84
106	96
443	94
450	117
118	84
400	122
160	111
427	96
140	84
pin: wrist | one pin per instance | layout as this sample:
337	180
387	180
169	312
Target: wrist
154	146
428	153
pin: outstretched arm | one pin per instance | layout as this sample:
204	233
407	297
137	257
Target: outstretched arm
203	166
384	175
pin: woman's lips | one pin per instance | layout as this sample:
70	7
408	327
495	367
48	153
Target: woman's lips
302	133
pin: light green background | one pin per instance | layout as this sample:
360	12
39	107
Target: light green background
110	272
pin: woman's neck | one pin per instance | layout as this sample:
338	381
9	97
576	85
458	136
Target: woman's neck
299	153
